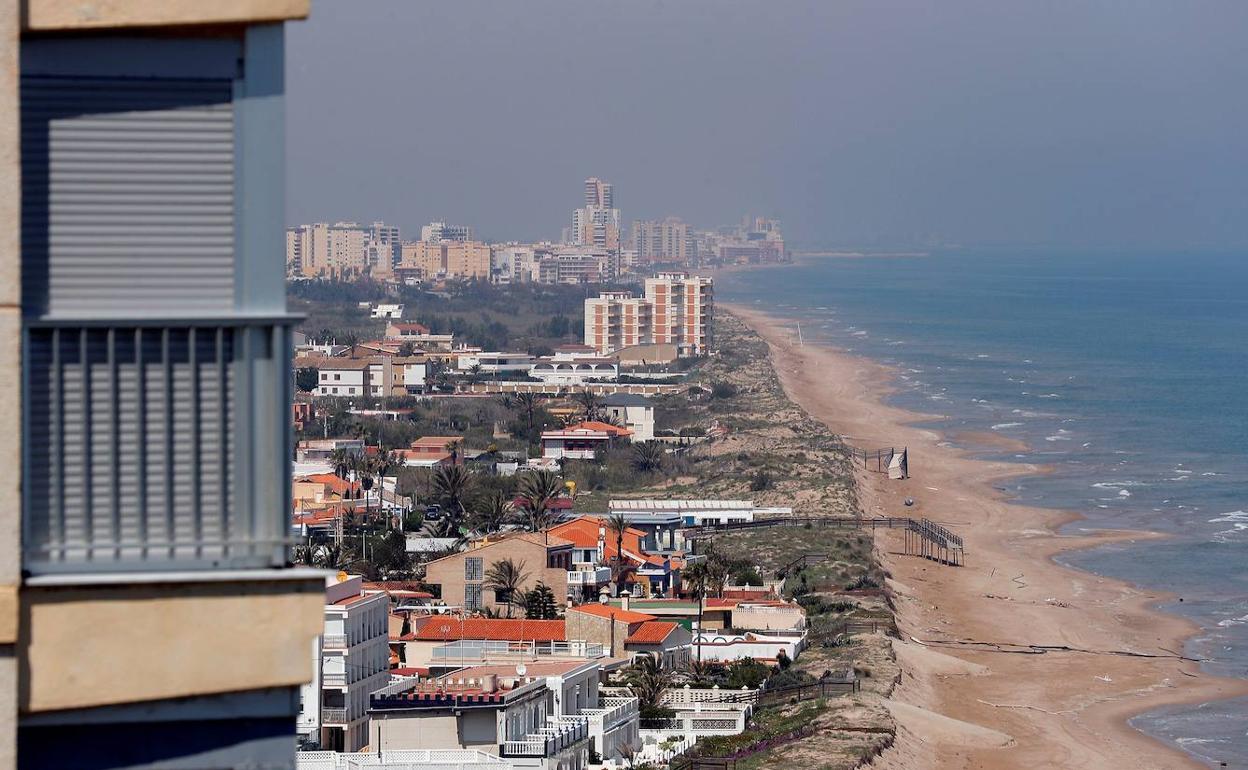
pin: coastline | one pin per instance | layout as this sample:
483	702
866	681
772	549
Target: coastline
988	708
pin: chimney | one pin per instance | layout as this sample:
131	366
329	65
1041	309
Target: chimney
625	598
489	683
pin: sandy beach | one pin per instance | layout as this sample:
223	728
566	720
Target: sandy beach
963	702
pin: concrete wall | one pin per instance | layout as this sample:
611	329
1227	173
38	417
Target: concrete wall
766	618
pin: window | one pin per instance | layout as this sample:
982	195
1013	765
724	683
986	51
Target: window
472	597
474	569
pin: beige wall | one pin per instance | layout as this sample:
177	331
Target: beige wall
103	14
596	629
767	618
89	646
449	572
435	729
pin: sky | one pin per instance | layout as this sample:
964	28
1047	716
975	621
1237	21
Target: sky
1105	125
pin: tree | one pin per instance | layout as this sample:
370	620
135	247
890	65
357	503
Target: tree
590	403
540	603
306	379
390	553
695	577
492	512
505	577
527	404
648	680
618	524
450	487
648	456
718	567
343	461
407	349
475	373
537	491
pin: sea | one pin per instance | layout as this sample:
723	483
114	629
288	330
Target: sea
1126	374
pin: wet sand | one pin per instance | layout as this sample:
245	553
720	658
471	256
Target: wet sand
962	705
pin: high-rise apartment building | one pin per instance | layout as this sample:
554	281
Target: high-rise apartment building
597	223
667	240
339	250
676	310
148	617
448	259
436	232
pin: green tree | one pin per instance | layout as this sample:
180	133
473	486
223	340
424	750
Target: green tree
390	554
540	603
491	512
505	577
306	379
648	456
746	672
618	525
648	679
537	492
590	404
451	487
694	578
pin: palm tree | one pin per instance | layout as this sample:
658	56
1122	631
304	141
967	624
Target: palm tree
698	673
538	489
648	680
618	524
341	460
648	456
717	570
694	576
589	403
492	512
505	577
527	403
451	487
384	462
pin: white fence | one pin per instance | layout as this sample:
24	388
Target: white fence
445	759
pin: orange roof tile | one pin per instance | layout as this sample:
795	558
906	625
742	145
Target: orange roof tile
448	629
603	611
582	532
651	632
605	427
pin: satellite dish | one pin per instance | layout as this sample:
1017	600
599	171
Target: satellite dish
521	669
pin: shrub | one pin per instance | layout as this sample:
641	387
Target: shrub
760	481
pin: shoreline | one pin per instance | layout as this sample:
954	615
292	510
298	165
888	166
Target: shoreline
989	708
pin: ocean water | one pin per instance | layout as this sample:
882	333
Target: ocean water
1126	373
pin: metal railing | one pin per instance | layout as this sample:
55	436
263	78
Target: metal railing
612	712
589	576
474	650
156	444
334	716
334	642
559	733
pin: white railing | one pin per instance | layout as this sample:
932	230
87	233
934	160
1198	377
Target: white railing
558	734
333	678
407	759
582	577
473	650
687	696
334	642
334	716
658	747
729	719
612	713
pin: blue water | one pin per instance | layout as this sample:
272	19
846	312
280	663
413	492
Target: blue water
1124	373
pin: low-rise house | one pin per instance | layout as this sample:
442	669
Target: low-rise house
534	715
420	337
372	376
633	412
726	646
320	449
432	632
490	362
462	576
555	371
626	633
666	518
581	441
595	562
352	660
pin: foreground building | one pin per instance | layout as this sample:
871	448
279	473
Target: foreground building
147	616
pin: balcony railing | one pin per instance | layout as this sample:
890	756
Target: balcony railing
583	577
333	716
559	733
479	650
156	444
334	679
611	713
334	642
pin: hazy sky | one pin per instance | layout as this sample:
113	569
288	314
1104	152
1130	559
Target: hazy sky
1066	123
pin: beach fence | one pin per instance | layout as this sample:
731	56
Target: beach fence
891	460
932	541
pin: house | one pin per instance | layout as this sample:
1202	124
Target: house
547	714
582	441
727	646
352	660
665	519
574	371
374	376
626	633
633	412
420	336
494	362
320	449
594	554
682	611
432	451
540	556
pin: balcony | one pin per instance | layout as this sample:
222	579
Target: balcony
612	712
333	716
559	733
334	679
589	577
483	650
334	642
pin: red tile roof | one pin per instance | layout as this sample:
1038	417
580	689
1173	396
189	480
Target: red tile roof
447	629
605	427
603	611
336	484
651	632
583	533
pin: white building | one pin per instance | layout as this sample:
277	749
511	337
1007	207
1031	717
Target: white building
546	714
580	442
494	362
387	311
437	232
353	660
374	377
633	412
726	647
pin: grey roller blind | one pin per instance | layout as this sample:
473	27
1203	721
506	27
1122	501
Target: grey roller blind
127	196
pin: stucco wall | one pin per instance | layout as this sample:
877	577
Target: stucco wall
104	14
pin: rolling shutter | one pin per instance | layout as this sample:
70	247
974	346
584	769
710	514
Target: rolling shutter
127	196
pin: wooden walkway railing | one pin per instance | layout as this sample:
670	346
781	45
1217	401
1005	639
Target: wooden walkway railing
932	541
923	537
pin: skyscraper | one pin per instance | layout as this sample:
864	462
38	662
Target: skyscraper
598	222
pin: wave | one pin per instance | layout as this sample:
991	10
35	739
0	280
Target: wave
1118	484
1003	425
1231	518
1233	622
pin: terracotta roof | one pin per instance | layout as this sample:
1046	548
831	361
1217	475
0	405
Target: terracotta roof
336	483
411	327
583	533
445	629
603	611
651	632
605	427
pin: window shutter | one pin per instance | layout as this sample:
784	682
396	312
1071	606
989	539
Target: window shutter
127	195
